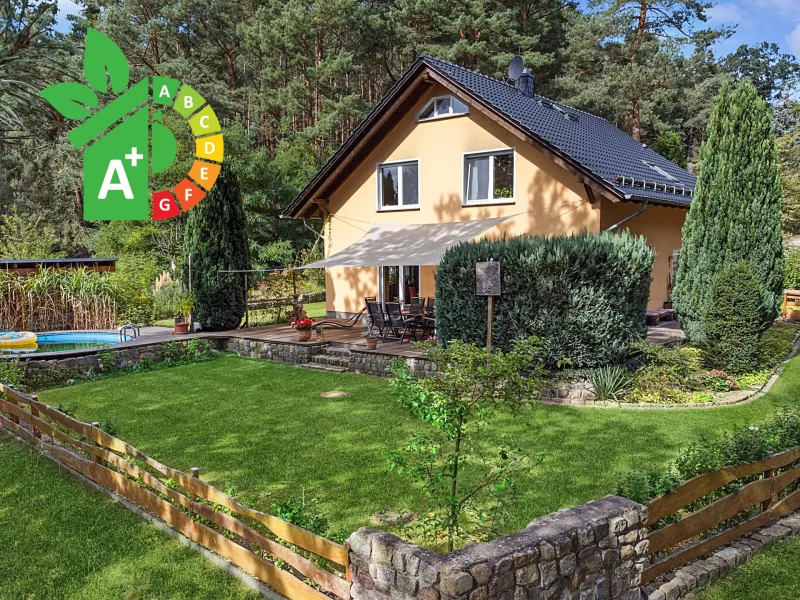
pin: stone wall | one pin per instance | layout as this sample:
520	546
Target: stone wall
592	552
48	372
292	353
374	363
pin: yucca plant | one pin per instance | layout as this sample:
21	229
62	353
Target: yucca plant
610	383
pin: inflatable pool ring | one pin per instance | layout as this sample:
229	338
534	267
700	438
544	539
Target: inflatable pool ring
17	339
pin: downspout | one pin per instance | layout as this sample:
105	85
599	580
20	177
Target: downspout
629	217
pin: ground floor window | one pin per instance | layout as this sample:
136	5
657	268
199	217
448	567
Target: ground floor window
398	283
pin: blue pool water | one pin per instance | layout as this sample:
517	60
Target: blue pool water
61	341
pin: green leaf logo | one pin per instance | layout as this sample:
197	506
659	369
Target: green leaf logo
72	100
101	54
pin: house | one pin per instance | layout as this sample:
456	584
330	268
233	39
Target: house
450	155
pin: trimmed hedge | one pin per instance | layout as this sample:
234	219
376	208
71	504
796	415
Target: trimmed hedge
585	296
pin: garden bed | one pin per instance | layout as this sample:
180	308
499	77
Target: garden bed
672	376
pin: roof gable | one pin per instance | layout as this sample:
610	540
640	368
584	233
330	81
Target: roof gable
604	157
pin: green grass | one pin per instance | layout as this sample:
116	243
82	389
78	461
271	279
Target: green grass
262	427
60	538
771	575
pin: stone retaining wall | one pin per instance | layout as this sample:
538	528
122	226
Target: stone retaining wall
592	552
374	363
294	354
48	372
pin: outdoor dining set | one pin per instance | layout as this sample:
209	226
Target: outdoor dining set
397	321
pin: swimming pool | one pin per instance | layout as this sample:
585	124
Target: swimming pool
60	341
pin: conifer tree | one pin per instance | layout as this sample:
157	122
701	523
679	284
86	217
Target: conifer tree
736	210
216	239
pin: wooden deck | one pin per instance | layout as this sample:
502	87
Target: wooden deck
350	338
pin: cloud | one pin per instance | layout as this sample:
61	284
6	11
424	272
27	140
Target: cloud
793	39
788	7
726	13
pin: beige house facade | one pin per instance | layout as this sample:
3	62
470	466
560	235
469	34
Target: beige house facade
443	158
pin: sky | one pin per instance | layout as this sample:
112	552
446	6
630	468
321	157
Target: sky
756	21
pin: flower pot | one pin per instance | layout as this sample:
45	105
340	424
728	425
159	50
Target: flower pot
303	335
372	344
181	325
320	337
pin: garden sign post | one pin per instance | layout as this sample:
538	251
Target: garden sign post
487	283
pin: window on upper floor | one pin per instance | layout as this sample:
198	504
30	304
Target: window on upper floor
441	107
398	185
489	177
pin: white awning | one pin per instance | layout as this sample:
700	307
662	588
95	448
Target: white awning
388	245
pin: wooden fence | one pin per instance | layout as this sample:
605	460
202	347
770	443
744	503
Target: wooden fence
698	533
199	511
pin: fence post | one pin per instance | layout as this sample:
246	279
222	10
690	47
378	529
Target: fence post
35	413
96	457
768	502
12	400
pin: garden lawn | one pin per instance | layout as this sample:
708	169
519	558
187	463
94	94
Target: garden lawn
771	575
262	427
59	538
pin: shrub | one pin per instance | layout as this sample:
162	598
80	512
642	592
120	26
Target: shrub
791	272
736	210
584	296
734	320
139	310
718	381
777	342
664	374
216	239
610	383
11	374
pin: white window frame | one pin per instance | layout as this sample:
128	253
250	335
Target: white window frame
400	206
435	117
491	154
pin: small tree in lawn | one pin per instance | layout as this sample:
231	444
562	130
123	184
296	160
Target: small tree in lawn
736	211
468	480
216	239
733	320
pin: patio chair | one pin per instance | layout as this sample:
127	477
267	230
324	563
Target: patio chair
398	323
416	307
429	306
378	319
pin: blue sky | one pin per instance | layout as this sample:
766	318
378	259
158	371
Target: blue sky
757	21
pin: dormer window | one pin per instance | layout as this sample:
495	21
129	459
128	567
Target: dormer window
442	107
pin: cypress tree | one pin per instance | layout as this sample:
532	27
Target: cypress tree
736	211
216	239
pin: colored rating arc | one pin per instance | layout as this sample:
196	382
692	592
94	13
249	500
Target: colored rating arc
209	148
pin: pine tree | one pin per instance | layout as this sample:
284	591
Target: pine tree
216	239
736	210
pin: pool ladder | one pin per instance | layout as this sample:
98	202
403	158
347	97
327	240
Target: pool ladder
133	328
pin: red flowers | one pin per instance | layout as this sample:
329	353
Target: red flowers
303	323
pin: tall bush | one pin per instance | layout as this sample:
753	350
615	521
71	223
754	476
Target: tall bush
736	211
584	296
216	239
733	320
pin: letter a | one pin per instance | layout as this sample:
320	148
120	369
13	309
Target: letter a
115	166
164	92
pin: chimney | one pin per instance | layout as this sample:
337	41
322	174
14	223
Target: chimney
525	83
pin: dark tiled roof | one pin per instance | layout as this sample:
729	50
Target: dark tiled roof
598	146
591	141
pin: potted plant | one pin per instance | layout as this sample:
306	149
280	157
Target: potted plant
184	305
303	325
371	338
320	333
